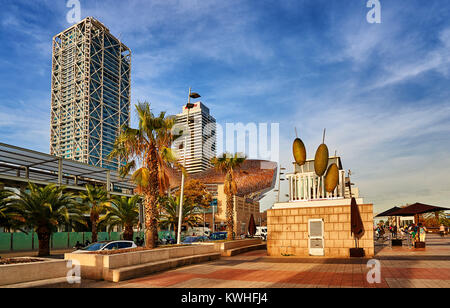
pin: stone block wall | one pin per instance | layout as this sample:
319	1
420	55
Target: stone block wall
288	230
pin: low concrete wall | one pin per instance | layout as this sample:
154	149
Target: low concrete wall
28	272
224	246
91	266
141	257
96	267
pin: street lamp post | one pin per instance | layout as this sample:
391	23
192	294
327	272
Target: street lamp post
204	221
213	221
213	216
189	106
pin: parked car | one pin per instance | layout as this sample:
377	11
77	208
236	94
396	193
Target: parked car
218	236
261	232
195	239
167	241
198	231
110	245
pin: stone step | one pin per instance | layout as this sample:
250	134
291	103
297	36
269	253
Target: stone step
45	283
239	250
135	271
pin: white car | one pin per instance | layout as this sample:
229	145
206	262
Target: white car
198	231
261	232
102	246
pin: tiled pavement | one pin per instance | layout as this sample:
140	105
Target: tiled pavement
400	268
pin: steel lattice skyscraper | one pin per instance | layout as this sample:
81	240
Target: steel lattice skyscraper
90	93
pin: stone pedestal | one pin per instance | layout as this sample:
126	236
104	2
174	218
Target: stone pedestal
288	229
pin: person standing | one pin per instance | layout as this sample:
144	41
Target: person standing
408	236
422	233
442	230
413	234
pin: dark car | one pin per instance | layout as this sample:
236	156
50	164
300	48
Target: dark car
194	239
218	236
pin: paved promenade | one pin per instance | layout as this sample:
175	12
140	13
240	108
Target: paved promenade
400	268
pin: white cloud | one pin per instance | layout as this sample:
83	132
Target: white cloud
29	128
403	69
391	152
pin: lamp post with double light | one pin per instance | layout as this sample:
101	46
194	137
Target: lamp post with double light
189	106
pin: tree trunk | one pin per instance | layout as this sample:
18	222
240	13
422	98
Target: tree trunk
94	220
230	217
151	223
175	229
94	232
128	233
44	242
151	197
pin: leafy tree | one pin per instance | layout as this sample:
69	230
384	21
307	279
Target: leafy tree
196	193
148	155
43	209
95	201
123	212
227	164
170	212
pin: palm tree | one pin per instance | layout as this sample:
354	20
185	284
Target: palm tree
44	209
227	164
169	213
94	200
4	201
123	212
436	219
148	155
7	220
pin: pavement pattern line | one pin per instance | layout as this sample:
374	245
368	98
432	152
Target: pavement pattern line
256	270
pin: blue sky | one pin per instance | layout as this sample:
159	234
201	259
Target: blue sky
381	90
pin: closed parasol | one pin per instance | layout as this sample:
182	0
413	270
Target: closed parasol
357	226
252	226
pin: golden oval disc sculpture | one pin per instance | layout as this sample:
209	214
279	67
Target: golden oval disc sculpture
332	178
321	160
299	150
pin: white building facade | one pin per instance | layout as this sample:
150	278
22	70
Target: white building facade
305	185
198	143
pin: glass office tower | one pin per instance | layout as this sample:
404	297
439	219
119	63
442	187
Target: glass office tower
90	93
